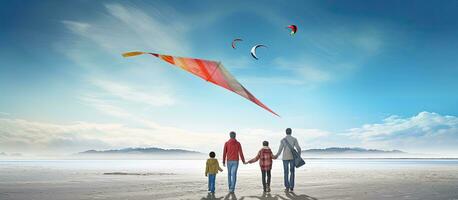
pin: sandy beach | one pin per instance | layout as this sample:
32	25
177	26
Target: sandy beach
150	179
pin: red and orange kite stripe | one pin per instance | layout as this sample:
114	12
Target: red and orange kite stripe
210	71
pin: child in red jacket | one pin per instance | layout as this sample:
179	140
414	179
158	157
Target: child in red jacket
265	157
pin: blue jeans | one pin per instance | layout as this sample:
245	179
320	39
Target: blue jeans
288	166
211	182
232	166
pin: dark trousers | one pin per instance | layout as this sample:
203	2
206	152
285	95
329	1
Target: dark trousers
265	178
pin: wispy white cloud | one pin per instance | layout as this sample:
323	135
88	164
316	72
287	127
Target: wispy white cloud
4	113
331	48
28	136
161	34
311	71
160	97
336	55
304	71
31	137
276	80
120	28
424	132
76	27
109	107
104	106
369	41
125	27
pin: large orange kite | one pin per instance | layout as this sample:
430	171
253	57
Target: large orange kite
208	70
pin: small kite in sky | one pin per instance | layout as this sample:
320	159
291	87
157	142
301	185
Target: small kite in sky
293	29
253	50
208	70
235	41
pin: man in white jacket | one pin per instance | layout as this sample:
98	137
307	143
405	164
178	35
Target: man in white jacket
288	159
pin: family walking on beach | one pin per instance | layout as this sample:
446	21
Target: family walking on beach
232	153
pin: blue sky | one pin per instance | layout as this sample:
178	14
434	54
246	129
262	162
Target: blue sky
376	74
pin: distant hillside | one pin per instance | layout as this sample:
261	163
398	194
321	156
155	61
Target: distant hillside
348	150
10	154
150	150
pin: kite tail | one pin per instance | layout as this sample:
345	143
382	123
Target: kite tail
137	53
133	53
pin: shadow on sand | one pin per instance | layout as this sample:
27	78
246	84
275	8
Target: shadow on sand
229	196
264	196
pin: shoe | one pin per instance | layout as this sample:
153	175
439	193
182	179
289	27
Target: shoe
268	189
286	189
291	189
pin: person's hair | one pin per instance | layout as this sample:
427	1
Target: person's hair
265	143
288	131
212	154
232	134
